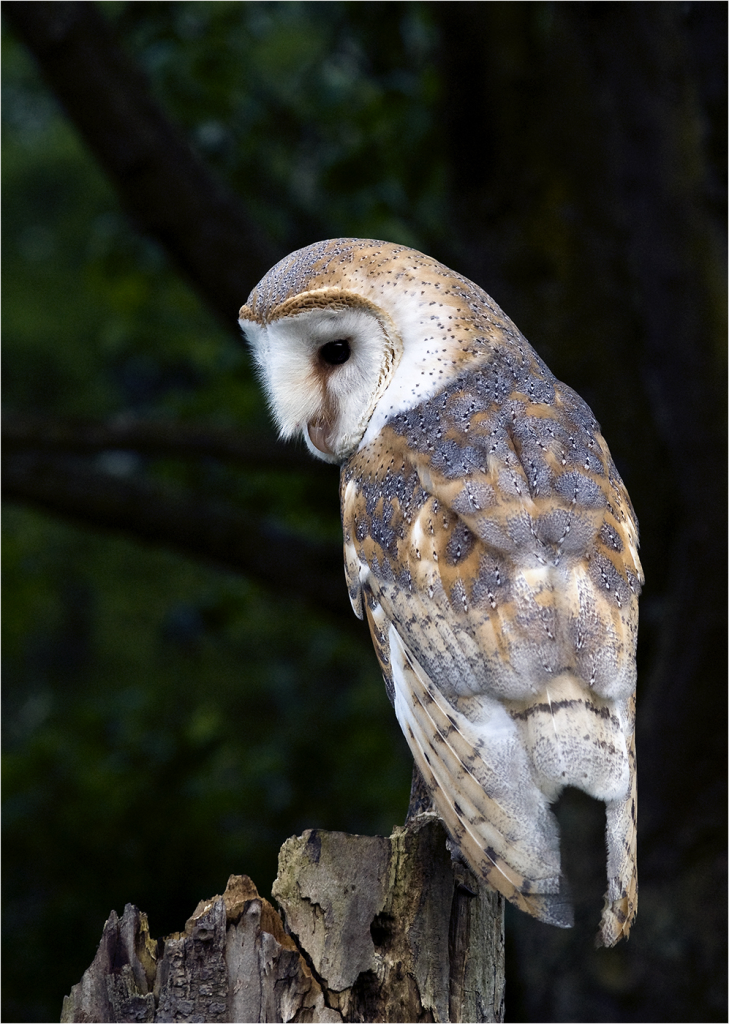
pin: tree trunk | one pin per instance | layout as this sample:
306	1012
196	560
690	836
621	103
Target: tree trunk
371	929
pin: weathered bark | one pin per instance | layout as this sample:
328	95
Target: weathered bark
371	929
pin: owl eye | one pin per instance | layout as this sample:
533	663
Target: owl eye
335	352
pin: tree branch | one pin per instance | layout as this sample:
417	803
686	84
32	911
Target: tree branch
218	532
22	432
166	188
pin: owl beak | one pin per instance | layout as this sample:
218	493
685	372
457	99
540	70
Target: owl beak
319	431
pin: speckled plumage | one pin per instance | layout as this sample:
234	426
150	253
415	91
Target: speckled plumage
488	540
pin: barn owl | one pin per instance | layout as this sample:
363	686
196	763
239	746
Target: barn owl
488	541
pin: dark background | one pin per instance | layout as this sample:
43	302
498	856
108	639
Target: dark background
185	685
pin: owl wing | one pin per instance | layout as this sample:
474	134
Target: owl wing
493	549
480	782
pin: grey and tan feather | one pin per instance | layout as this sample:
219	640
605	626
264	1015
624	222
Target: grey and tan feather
488	540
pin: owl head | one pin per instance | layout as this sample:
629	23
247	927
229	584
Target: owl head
348	332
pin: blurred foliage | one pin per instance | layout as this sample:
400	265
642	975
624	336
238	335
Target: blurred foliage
334	100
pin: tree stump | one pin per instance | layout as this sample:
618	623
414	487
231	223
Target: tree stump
371	929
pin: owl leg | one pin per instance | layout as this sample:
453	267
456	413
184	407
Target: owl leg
421	801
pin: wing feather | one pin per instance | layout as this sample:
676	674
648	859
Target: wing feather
498	840
497	565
